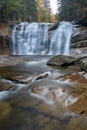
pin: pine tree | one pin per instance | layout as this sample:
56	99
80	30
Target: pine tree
72	9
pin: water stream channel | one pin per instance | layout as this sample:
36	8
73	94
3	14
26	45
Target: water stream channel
36	98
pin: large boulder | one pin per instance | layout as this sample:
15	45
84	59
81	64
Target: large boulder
61	60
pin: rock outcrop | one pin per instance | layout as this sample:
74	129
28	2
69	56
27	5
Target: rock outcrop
80	36
4	43
61	60
79	44
79	39
4	38
84	64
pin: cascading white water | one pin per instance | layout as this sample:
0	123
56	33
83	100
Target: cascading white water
60	42
32	39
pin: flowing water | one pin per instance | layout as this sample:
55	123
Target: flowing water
60	42
30	39
33	39
33	98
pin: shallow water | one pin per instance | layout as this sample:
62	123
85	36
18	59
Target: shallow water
37	104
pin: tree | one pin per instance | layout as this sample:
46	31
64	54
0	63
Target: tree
30	10
9	9
72	9
18	9
44	10
53	17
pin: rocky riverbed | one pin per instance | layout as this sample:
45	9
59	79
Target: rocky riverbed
35	96
44	92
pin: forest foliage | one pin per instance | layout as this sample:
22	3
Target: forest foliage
26	10
40	10
72	10
18	9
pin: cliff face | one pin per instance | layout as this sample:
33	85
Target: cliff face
79	39
4	38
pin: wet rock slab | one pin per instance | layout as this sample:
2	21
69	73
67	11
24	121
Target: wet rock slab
77	77
70	95
78	90
26	78
6	60
7	86
80	107
53	105
45	103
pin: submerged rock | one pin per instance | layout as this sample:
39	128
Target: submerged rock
61	60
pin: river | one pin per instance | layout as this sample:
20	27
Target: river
34	98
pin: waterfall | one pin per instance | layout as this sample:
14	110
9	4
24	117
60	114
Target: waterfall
60	42
32	39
